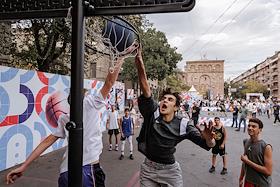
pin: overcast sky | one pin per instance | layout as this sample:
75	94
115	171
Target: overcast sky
241	32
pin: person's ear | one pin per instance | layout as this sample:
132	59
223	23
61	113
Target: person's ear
176	108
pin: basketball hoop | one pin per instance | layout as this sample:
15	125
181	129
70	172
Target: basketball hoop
117	39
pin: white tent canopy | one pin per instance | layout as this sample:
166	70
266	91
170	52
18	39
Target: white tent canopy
192	89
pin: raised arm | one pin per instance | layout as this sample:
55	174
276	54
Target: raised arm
144	85
18	172
111	78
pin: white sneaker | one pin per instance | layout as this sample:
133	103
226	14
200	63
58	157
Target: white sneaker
110	148
116	148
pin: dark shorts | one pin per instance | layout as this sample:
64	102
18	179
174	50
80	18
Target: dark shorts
216	150
113	131
123	138
93	176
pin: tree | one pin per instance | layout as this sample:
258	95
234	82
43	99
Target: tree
226	87
39	43
5	38
252	86
173	82
159	57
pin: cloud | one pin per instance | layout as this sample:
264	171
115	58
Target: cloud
241	37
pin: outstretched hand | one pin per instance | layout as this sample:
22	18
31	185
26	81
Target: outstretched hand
14	174
131	49
207	133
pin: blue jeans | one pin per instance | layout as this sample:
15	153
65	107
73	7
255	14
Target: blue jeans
93	176
240	121
234	120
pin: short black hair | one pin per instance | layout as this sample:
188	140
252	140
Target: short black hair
258	121
216	118
126	109
175	94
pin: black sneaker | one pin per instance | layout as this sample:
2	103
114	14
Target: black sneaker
212	169
224	171
121	157
131	157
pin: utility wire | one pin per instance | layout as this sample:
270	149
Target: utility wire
210	27
241	11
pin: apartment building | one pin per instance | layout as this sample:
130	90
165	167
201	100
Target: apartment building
266	73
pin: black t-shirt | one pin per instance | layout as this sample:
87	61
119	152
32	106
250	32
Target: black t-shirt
195	111
235	111
276	109
187	106
162	137
219	135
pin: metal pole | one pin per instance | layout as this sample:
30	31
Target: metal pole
75	148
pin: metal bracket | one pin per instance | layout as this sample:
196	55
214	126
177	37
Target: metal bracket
71	125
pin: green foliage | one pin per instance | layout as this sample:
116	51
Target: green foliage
250	86
226	86
44	45
177	85
253	87
39	44
159	57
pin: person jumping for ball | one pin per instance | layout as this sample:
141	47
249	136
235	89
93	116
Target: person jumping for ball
93	175
161	132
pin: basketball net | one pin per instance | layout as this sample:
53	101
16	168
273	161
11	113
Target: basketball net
102	46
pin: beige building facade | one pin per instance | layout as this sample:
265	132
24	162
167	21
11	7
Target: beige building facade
265	73
207	76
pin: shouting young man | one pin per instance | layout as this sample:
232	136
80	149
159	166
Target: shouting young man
161	132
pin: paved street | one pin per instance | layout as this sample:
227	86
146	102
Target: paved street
194	161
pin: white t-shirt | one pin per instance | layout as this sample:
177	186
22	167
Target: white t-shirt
113	120
93	106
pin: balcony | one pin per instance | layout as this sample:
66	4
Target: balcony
274	87
275	79
274	73
274	65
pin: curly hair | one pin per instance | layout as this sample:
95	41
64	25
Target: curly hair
257	121
168	91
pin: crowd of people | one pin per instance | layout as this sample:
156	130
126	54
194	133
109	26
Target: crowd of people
161	131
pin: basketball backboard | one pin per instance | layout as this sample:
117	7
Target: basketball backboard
27	9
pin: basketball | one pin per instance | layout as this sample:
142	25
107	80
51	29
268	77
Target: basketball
120	33
56	105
